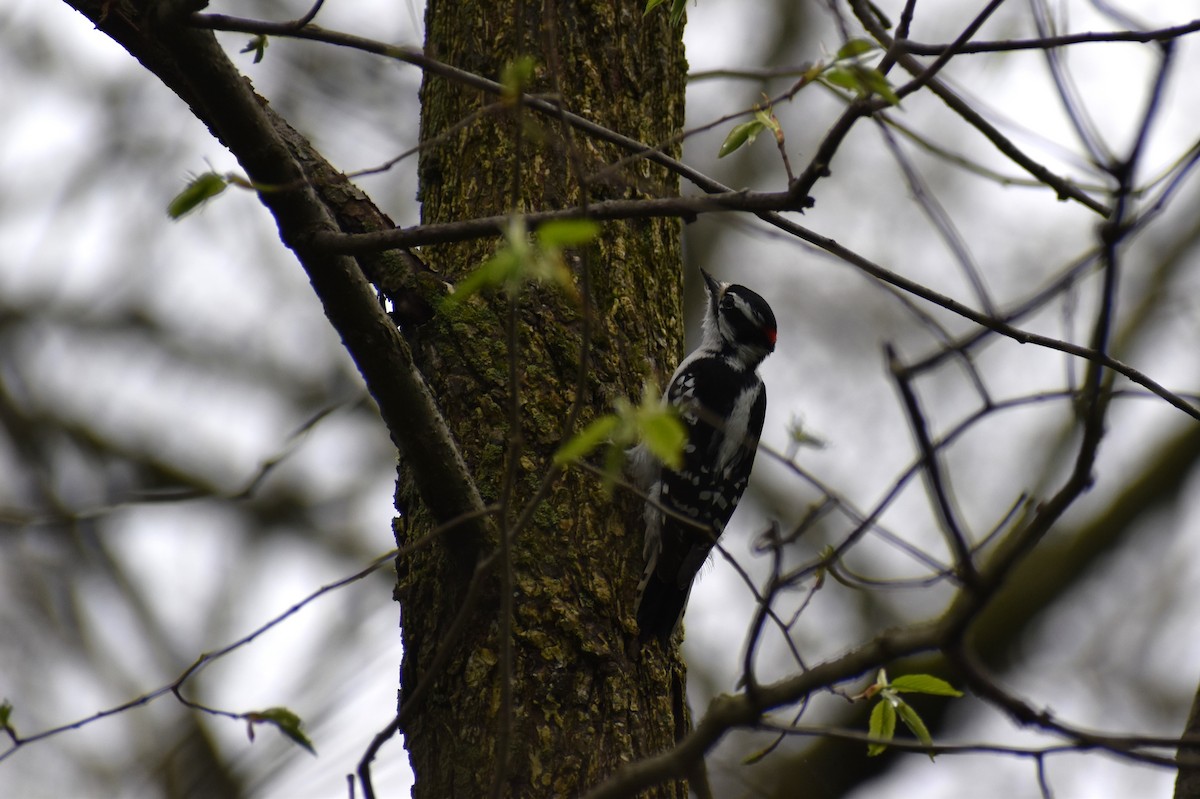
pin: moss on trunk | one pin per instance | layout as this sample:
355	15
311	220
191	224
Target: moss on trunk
584	701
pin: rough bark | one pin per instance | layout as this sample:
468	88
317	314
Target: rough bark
584	701
1187	782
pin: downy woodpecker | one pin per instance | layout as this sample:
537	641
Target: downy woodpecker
721	401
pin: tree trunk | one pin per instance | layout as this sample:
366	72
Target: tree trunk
583	700
1187	781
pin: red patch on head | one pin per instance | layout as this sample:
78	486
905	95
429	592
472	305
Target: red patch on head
770	331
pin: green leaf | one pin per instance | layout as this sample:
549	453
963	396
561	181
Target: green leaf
568	232
924	684
653	423
522	259
876	82
799	436
200	190
544	265
741	134
853	48
587	439
257	45
614	462
914	723
665	436
493	273
843	78
769	121
515	76
285	721
677	9
882	726
862	80
6	710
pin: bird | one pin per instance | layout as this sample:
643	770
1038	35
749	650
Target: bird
721	400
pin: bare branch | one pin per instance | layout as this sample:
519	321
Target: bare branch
1068	94
175	686
1066	189
193	64
932	469
423	235
940	218
1160	35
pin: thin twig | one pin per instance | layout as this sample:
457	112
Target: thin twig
1068	94
1064	40
1065	188
207	658
932	469
940	218
465	230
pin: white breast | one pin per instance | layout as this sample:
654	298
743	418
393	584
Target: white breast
736	426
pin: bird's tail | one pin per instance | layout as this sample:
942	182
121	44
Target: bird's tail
660	607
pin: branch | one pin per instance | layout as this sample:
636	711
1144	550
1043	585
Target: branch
417	57
1068	93
935	479
194	65
444	233
729	200
200	663
995	325
688	206
938	216
987	687
818	167
1160	35
726	712
1187	783
1066	190
1129	746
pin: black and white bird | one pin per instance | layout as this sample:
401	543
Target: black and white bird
722	402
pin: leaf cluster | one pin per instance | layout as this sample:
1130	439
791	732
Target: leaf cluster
890	707
523	258
845	71
653	423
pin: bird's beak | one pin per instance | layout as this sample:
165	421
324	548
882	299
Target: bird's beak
714	286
